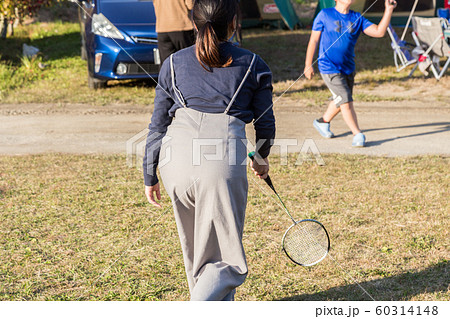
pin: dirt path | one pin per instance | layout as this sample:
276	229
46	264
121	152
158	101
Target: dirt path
396	129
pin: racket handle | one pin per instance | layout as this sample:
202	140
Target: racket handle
268	181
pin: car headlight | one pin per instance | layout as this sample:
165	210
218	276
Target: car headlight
103	27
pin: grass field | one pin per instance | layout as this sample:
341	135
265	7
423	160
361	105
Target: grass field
79	228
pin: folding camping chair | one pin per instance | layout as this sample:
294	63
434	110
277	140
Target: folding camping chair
429	35
402	55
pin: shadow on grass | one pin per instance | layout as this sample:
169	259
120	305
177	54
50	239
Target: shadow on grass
53	47
57	47
401	287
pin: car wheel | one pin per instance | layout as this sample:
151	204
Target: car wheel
95	84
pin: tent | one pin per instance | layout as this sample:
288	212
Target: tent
278	12
269	12
375	9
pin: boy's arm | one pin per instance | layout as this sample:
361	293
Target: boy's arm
312	46
378	31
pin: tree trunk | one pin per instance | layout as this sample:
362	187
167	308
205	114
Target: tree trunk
3	26
15	22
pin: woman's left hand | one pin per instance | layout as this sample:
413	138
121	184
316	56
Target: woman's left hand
260	167
149	192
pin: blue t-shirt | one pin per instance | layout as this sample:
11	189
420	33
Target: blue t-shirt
337	42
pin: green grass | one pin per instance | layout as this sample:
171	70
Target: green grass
79	228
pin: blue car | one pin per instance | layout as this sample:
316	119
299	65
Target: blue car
118	40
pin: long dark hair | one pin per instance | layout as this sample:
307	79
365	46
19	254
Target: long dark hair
213	19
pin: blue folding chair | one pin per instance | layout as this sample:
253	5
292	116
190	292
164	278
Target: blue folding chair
402	54
444	13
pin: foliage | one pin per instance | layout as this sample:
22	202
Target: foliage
12	77
20	9
14	11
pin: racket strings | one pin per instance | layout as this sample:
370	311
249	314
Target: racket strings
306	242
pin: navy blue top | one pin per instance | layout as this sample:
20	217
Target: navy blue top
338	39
210	92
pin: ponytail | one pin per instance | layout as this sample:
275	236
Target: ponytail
213	19
207	48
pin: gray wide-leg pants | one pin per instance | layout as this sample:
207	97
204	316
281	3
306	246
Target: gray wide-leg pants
201	167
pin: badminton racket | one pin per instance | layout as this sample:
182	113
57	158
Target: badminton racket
305	242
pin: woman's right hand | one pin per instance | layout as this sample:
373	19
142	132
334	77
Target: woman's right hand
260	167
149	192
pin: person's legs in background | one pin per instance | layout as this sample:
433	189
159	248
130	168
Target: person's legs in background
165	46
182	39
341	87
171	42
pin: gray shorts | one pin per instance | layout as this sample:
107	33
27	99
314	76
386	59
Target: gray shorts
341	86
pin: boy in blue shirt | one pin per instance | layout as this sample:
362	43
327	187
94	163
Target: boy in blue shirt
337	30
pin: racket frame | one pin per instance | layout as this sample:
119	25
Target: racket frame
268	181
301	221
